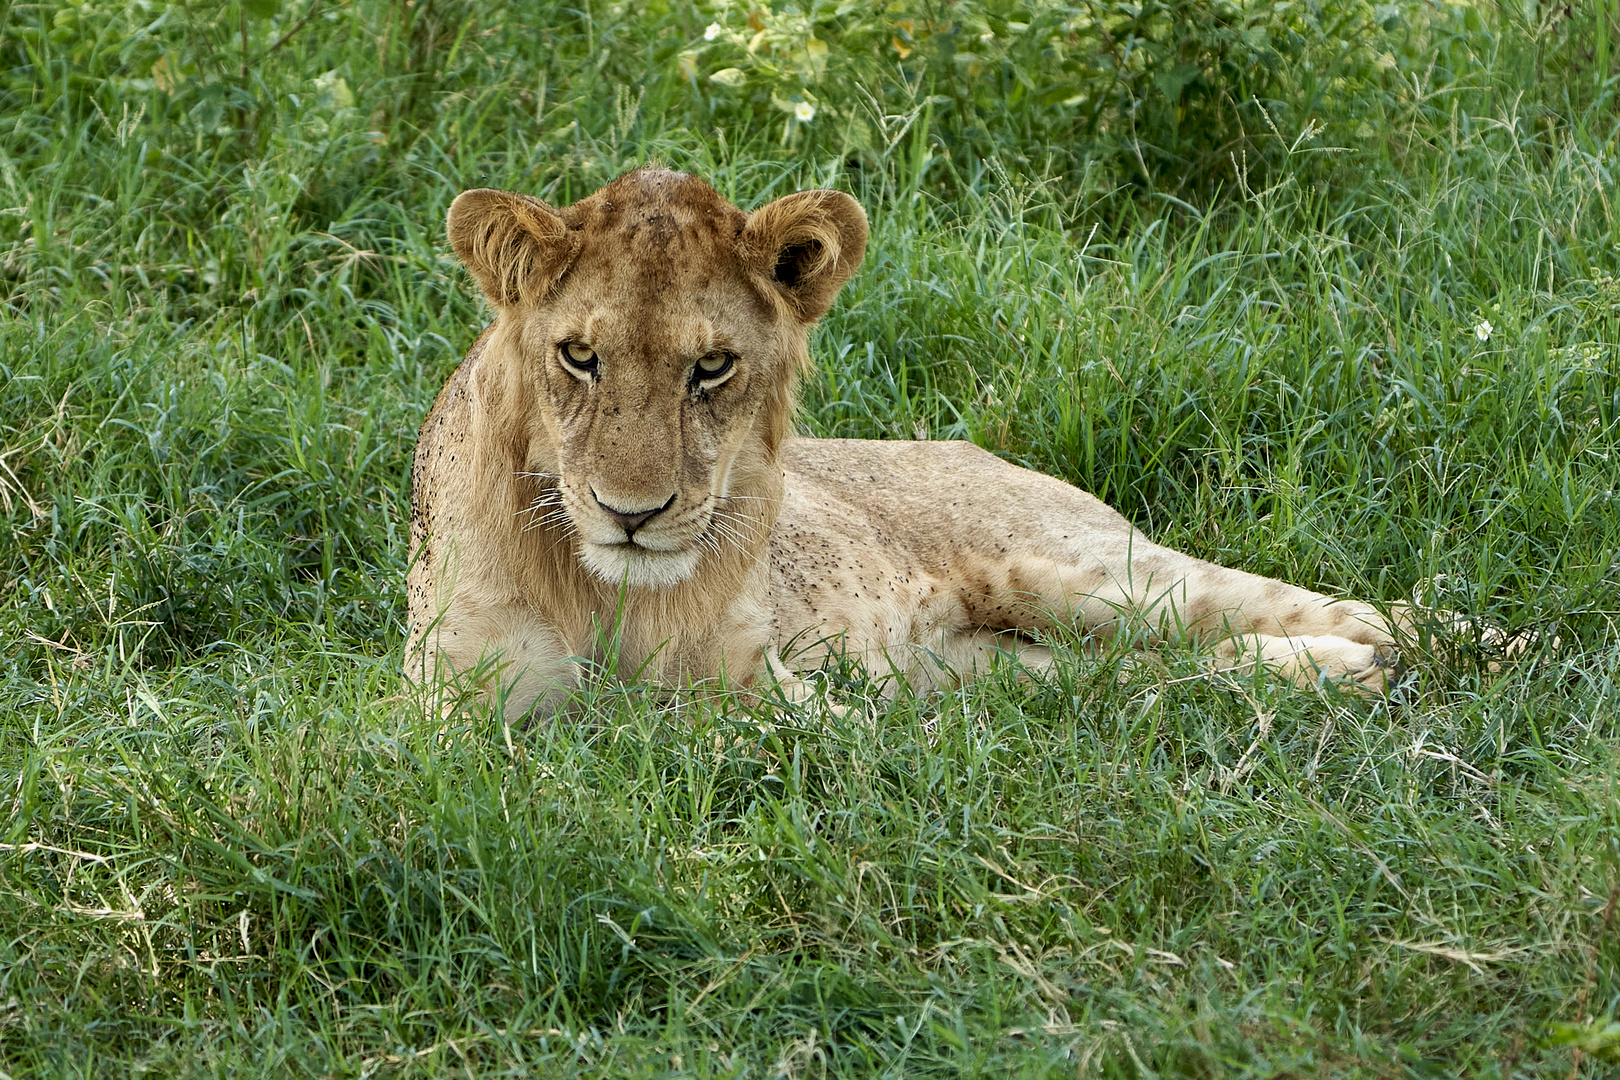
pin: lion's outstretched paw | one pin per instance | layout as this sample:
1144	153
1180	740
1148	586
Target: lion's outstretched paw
1388	669
1508	647
1351	665
1311	662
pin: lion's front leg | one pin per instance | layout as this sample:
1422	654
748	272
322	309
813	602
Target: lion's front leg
505	657
1215	599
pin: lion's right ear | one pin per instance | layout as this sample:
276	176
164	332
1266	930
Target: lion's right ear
516	246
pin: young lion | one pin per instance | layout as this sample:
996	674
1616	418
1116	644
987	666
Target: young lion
614	466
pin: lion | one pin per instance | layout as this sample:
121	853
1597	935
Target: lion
612	476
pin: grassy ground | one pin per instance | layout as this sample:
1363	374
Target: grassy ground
231	845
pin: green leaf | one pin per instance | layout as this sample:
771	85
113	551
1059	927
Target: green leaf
1171	83
1600	1038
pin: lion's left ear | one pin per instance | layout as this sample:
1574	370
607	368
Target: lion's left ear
808	245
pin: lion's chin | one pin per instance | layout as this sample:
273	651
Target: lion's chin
633	565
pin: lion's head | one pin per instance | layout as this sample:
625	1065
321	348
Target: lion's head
646	351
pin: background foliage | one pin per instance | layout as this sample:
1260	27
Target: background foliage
1322	290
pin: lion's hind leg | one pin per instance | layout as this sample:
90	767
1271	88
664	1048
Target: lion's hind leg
949	645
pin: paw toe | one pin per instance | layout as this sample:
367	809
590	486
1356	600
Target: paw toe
1388	659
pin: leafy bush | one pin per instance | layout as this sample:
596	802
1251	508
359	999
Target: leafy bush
1178	95
1184	96
1161	92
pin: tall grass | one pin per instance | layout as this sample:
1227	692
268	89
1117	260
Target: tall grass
233	844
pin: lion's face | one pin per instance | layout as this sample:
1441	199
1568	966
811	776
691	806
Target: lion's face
647	348
652	379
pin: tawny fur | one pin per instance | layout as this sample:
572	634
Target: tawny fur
925	559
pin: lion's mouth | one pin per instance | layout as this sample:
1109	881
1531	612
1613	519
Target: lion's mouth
633	563
655	544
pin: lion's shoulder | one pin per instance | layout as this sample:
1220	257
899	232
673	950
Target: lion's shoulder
443	432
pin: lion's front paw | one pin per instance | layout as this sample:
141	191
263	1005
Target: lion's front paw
1352	665
1316	661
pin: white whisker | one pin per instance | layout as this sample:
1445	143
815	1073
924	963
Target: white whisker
749	527
556	516
730	528
726	527
540	504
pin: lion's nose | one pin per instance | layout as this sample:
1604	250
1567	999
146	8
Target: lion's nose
630	520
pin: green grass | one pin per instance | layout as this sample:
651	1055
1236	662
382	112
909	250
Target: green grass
233	844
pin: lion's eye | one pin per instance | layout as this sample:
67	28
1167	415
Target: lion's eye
578	358
713	365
